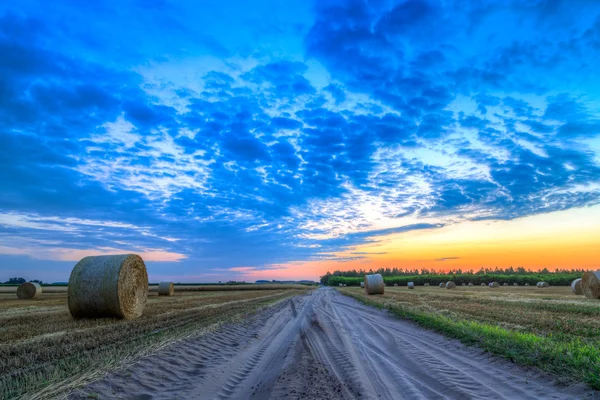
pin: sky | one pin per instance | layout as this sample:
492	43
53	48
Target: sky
280	139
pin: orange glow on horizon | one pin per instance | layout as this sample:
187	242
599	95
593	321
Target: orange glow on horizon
563	239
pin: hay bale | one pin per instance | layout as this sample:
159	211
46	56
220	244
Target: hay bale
362	285
470	283
345	285
505	284
576	286
442	285
108	286
464	284
527	284
374	284
590	284
494	284
482	284
29	290
341	284
395	284
542	284
515	284
450	285
411	285
166	289
426	284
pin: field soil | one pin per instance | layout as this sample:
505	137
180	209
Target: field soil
324	345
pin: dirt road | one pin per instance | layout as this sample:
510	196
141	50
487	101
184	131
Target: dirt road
325	346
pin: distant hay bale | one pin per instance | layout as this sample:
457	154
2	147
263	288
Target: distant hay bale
482	284
505	284
374	284
576	286
515	284
464	284
29	290
470	283
426	284
494	284
362	285
411	285
450	285
527	284
166	289
543	284
442	285
341	284
108	286
590	284
344	285
395	284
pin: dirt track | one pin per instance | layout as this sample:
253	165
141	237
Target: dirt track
325	346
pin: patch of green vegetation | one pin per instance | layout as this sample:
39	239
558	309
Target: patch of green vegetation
564	355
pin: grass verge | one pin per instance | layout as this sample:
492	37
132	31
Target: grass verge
567	357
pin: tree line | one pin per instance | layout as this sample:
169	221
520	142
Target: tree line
508	275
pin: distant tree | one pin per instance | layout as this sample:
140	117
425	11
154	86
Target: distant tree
17	281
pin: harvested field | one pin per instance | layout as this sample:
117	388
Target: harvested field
44	351
550	328
311	347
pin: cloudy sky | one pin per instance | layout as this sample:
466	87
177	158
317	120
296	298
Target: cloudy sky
278	139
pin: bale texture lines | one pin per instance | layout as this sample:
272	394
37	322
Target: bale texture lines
374	284
108	286
576	286
29	290
450	285
590	284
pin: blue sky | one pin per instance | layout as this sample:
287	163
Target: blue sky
218	139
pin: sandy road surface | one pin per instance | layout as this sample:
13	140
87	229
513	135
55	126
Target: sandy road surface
325	346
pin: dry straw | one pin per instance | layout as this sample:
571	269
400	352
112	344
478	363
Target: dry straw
29	290
494	284
450	285
590	284
108	286
576	286
411	285
166	289
374	284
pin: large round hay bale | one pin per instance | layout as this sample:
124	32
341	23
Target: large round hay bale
426	284
543	284
450	285
494	284
411	285
442	285
108	286
166	289
590	284
374	284
362	285
576	286
29	290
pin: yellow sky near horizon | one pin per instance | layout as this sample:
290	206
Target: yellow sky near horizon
562	239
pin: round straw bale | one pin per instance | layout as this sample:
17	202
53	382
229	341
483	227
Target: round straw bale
543	284
29	290
442	285
411	285
166	289
108	286
374	284
590	284
482	284
470	283
494	284
576	286
464	284
426	284
515	284
345	285
527	284
341	284
450	285
395	284
505	284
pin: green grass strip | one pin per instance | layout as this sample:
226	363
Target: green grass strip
572	358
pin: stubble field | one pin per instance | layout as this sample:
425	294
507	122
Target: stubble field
45	352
